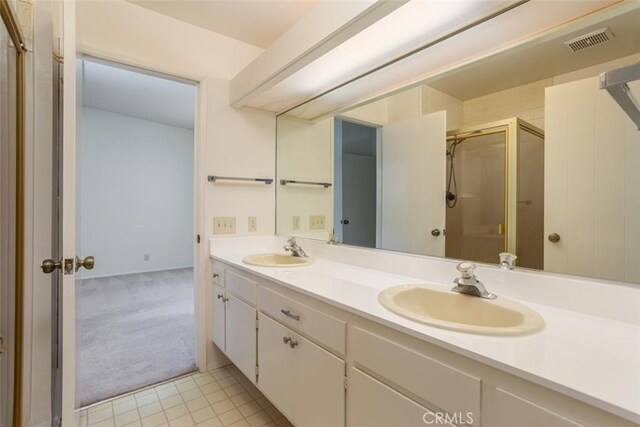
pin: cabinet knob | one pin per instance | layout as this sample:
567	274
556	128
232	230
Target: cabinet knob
293	343
220	296
286	340
554	237
435	232
216	275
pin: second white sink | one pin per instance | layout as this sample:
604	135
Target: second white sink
276	260
441	308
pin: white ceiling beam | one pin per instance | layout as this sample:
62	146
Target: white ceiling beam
323	28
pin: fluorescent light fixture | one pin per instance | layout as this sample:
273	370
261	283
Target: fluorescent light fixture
410	26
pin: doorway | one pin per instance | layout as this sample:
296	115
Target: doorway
357	175
135	323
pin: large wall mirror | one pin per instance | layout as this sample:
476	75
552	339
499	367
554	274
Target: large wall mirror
520	152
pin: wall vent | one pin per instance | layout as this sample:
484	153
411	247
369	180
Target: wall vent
587	41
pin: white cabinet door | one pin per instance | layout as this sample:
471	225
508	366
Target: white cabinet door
241	336
275	358
373	404
318	386
218	334
515	411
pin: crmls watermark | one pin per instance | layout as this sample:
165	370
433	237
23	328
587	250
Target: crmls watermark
456	418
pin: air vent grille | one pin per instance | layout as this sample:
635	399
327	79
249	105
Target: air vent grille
587	41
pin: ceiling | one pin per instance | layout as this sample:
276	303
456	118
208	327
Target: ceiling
135	94
256	22
543	60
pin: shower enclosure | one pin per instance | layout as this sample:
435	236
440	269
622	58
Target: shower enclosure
495	192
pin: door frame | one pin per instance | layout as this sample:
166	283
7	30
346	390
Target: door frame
200	253
378	171
13	28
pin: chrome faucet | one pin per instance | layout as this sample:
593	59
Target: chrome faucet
506	260
468	284
333	239
293	247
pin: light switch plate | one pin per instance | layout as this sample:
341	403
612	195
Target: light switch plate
316	222
253	224
296	222
224	225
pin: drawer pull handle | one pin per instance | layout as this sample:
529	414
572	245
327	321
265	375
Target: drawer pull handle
286	340
293	343
288	314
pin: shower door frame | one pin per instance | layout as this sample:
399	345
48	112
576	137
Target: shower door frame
511	155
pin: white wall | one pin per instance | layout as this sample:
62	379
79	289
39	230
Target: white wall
136	194
304	153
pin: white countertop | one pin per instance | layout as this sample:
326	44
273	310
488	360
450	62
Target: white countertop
590	358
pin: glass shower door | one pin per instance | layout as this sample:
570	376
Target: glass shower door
476	224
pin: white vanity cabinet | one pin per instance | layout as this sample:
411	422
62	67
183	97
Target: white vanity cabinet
305	381
323	366
235	317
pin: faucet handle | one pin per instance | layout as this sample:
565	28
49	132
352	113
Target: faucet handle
507	258
466	269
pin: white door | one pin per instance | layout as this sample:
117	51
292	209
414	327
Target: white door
67	215
413	184
275	358
241	341
318	386
591	194
219	317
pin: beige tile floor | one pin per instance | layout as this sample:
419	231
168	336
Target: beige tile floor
221	398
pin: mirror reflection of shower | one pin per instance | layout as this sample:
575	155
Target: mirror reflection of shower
494	187
452	185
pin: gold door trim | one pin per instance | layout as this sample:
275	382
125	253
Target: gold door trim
11	23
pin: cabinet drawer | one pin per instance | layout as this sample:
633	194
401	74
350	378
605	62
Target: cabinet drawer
217	275
372	404
514	411
241	286
323	328
444	386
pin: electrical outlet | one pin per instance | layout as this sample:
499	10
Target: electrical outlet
253	224
224	225
147	257
316	222
296	222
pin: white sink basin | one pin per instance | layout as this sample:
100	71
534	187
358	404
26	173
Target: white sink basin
276	260
436	306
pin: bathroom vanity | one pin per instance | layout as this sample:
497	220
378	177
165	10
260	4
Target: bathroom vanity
318	344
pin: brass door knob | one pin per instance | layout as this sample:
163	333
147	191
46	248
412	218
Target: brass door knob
48	266
87	263
435	232
554	237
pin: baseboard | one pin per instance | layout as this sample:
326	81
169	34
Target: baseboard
138	272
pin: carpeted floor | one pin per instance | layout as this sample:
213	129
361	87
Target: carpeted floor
133	330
